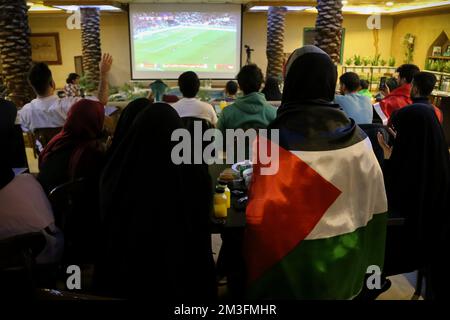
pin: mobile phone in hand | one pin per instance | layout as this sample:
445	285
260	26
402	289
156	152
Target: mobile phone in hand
382	83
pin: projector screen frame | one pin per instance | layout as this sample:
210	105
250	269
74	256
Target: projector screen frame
176	78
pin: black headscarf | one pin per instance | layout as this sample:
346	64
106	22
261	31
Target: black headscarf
271	89
150	237
127	117
8	114
310	76
417	178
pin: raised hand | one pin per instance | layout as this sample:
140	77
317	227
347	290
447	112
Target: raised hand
106	63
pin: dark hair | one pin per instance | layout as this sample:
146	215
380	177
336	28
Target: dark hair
250	78
231	87
189	84
424	82
72	77
40	78
364	84
350	80
392	83
407	71
271	89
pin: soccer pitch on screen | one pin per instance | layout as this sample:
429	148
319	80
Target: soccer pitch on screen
166	41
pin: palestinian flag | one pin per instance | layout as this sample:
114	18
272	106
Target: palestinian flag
315	226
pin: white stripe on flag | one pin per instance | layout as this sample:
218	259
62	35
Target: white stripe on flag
356	173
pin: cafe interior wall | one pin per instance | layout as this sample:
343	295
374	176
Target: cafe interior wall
358	38
114	39
425	27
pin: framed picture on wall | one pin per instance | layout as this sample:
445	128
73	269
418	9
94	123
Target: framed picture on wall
78	60
45	47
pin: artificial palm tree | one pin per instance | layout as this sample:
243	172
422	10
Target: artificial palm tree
275	41
329	27
90	39
15	50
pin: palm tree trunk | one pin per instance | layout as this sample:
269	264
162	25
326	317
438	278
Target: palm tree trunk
15	50
91	48
275	41
329	28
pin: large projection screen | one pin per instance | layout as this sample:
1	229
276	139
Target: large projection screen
168	39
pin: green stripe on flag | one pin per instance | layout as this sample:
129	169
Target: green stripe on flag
329	268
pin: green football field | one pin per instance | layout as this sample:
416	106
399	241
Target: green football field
186	46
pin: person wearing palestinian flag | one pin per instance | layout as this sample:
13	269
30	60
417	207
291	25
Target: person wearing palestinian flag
317	224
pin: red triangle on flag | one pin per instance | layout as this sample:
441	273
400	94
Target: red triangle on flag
283	209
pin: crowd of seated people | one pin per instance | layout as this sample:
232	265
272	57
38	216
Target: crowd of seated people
313	227
355	105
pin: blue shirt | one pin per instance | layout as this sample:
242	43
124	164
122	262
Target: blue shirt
356	106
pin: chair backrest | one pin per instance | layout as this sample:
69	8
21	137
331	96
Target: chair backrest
44	135
76	210
371	130
17	258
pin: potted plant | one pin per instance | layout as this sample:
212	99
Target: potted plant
447	67
366	61
391	62
349	61
357	60
376	60
383	62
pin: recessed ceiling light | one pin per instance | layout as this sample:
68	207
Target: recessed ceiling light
100	7
389	4
344	2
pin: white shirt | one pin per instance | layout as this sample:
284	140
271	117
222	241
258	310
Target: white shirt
48	112
25	208
192	107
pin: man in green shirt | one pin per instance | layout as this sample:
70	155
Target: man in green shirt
364	91
251	110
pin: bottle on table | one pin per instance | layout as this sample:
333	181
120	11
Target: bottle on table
220	202
227	193
223	104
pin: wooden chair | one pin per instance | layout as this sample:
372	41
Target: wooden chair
41	137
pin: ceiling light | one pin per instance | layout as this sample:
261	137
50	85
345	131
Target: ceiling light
344	2
100	7
389	4
289	8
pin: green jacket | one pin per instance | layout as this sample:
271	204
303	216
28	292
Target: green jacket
249	111
365	92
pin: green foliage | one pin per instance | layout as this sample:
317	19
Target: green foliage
428	64
447	67
87	85
383	62
349	61
440	64
433	66
376	60
391	62
366	61
203	95
357	60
